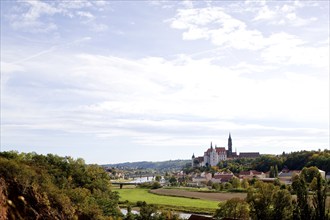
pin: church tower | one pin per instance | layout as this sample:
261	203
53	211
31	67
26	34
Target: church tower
193	160
230	147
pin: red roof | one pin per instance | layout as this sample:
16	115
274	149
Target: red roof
220	149
245	173
223	176
200	159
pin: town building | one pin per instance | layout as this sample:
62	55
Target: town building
251	174
213	155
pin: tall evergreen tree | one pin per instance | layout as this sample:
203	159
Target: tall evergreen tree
302	210
319	199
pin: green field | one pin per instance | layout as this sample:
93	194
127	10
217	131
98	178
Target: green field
169	202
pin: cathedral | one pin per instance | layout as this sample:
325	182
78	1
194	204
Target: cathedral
214	155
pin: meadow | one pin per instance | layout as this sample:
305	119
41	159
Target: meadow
194	205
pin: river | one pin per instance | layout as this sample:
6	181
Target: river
182	215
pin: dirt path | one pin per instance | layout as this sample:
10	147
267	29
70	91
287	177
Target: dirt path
199	195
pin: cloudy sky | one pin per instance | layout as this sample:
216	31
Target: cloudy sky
115	81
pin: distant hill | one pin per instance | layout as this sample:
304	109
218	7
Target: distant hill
163	165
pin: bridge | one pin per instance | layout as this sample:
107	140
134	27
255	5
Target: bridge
121	184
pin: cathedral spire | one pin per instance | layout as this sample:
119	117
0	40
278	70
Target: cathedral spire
230	146
211	145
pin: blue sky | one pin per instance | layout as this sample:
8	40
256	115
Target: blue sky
116	81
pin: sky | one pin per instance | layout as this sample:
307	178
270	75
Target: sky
118	81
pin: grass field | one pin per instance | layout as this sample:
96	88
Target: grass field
214	196
170	202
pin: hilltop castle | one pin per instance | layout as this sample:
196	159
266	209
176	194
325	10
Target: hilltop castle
214	155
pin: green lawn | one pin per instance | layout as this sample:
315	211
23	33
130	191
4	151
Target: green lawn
175	203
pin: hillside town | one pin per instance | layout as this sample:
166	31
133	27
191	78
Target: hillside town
207	170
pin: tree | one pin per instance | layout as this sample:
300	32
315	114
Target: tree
269	202
228	185
130	215
234	208
57	187
271	172
155	185
276	171
158	178
282	204
173	180
319	199
302	209
260	200
309	173
313	184
264	163
167	215
236	183
245	183
146	211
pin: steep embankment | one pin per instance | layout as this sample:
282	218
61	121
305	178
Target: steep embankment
51	187
3	199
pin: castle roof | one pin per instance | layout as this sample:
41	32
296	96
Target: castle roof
249	154
220	149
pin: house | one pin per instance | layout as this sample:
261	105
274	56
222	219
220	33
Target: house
328	176
198	179
249	155
222	177
285	176
251	174
207	176
322	173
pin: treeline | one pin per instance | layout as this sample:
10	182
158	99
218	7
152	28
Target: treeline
292	161
158	166
35	186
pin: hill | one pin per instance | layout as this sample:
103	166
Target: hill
35	186
159	166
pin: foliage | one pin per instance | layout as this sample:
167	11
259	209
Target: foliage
234	208
150	185
264	163
301	159
173	181
302	208
245	183
269	202
56	187
273	173
236	183
309	173
236	165
319	199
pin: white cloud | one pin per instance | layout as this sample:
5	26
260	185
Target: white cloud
37	16
265	14
85	14
221	28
